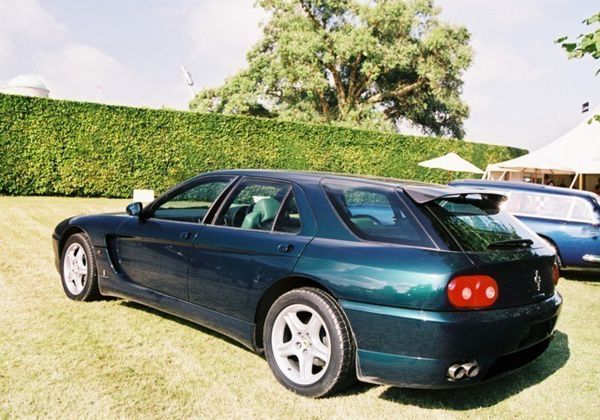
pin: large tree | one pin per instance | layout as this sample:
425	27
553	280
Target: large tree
586	44
372	64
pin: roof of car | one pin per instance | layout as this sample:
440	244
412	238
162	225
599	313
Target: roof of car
315	176
524	186
421	192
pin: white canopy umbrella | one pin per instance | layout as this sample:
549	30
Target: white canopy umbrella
451	162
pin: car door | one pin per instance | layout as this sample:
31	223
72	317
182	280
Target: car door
569	222
155	250
255	239
582	244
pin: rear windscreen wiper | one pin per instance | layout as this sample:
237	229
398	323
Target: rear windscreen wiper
511	243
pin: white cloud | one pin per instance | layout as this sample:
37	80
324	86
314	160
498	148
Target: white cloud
514	12
76	71
33	40
26	20
506	13
5	48
85	73
500	63
223	32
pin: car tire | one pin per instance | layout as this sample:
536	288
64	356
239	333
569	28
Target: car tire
309	344
78	272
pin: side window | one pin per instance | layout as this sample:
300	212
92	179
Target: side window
520	203
253	205
556	207
192	204
542	205
370	208
582	211
375	213
289	217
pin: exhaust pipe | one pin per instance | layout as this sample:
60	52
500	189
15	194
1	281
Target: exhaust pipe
456	372
471	369
459	371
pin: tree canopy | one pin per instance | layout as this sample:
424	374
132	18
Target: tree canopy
585	44
372	64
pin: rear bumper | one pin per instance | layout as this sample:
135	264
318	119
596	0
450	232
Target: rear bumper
414	348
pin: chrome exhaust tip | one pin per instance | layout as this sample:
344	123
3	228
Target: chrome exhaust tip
471	369
456	372
463	370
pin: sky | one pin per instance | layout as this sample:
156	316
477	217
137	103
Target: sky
521	88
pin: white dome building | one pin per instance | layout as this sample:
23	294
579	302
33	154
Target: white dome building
28	85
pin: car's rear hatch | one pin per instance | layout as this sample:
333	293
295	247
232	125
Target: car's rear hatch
498	244
523	277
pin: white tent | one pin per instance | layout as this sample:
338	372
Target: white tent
577	153
451	162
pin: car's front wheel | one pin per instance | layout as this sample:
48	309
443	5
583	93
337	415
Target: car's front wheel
78	269
308	343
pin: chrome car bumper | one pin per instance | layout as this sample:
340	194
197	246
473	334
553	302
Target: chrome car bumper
591	258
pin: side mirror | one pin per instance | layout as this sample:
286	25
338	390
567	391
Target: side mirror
134	209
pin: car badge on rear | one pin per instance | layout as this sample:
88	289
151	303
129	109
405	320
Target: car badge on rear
538	280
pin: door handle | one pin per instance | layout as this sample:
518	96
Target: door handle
185	235
285	247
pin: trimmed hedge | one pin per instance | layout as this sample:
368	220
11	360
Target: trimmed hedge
51	147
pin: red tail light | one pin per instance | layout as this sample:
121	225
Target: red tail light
472	292
555	273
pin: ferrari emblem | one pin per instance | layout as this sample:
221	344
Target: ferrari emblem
537	280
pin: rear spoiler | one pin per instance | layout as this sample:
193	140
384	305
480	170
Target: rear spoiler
423	195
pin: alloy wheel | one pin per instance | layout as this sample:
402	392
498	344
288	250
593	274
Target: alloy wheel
301	344
75	268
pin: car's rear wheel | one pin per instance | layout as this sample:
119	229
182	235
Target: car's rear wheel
78	269
308	343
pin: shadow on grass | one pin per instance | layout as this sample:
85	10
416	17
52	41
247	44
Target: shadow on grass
185	322
484	395
490	393
588	276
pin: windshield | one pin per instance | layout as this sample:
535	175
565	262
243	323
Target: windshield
476	224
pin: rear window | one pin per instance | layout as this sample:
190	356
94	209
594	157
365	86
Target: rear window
476	224
375	213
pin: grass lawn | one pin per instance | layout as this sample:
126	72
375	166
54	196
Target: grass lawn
60	358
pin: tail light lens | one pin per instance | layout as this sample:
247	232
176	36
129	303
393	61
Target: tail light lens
555	273
472	292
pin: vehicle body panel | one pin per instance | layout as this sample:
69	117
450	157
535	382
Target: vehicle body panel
99	228
438	339
156	254
393	275
231	269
